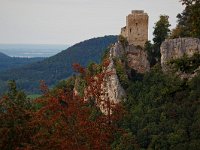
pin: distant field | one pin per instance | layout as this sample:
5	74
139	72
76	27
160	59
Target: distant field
31	50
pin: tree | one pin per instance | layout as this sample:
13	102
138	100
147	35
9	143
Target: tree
188	21
68	121
189	2
59	119
161	32
15	114
93	68
150	52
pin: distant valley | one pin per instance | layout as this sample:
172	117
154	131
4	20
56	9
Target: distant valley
57	67
8	63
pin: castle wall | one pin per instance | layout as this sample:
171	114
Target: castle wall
136	30
124	32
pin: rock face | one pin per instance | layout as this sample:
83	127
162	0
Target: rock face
137	59
113	88
117	50
176	48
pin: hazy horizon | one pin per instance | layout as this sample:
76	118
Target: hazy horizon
32	50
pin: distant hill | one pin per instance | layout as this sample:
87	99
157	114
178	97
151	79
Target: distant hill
2	55
57	67
7	62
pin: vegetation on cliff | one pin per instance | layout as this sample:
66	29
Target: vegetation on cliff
162	113
186	64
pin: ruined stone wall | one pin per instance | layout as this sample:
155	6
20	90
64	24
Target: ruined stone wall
136	30
124	32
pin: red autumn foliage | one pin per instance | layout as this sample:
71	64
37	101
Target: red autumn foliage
14	118
44	88
64	121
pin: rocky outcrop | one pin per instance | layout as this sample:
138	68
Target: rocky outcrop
113	88
176	48
136	56
117	50
137	59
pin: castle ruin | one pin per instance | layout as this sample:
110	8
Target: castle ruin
136	29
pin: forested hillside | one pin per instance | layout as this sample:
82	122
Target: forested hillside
57	67
161	112
7	62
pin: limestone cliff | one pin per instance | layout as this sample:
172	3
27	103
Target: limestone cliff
113	88
137	59
176	48
116	50
132	57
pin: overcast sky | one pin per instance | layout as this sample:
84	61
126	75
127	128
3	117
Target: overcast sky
71	21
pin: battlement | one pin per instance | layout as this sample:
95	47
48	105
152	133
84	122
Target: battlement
137	11
136	29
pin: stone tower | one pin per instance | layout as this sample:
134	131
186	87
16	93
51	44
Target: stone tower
136	29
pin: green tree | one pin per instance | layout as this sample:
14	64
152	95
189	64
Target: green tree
161	32
150	52
121	72
125	142
14	117
188	21
93	68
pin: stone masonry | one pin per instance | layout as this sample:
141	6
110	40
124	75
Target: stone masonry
136	29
